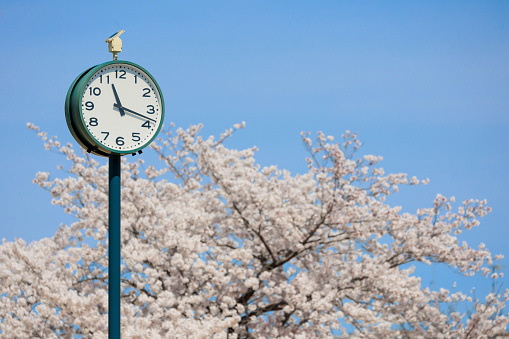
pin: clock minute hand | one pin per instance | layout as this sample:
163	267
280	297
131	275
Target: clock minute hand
133	112
119	105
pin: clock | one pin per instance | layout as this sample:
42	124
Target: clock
114	108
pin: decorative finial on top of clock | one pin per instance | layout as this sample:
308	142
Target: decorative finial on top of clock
115	44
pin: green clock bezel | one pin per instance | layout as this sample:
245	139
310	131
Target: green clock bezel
72	126
74	114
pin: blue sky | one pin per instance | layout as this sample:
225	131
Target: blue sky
425	84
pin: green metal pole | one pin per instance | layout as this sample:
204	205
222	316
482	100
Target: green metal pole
114	255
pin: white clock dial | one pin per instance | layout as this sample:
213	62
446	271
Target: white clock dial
121	107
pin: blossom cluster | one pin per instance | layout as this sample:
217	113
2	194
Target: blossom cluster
215	246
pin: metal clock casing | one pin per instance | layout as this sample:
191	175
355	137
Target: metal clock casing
114	108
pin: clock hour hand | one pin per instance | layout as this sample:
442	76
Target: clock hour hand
133	112
118	105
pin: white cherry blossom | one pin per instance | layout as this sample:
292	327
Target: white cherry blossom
214	246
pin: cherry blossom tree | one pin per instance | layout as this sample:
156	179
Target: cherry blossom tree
215	246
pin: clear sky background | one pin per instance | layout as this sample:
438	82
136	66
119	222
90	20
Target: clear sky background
425	84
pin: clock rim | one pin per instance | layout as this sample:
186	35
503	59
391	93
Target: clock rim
76	114
71	124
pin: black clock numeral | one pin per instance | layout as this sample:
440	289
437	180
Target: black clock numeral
101	79
135	79
107	134
146	92
151	109
136	136
95	91
122	74
93	122
146	124
89	105
120	141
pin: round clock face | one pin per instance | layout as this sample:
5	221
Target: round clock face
121	108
